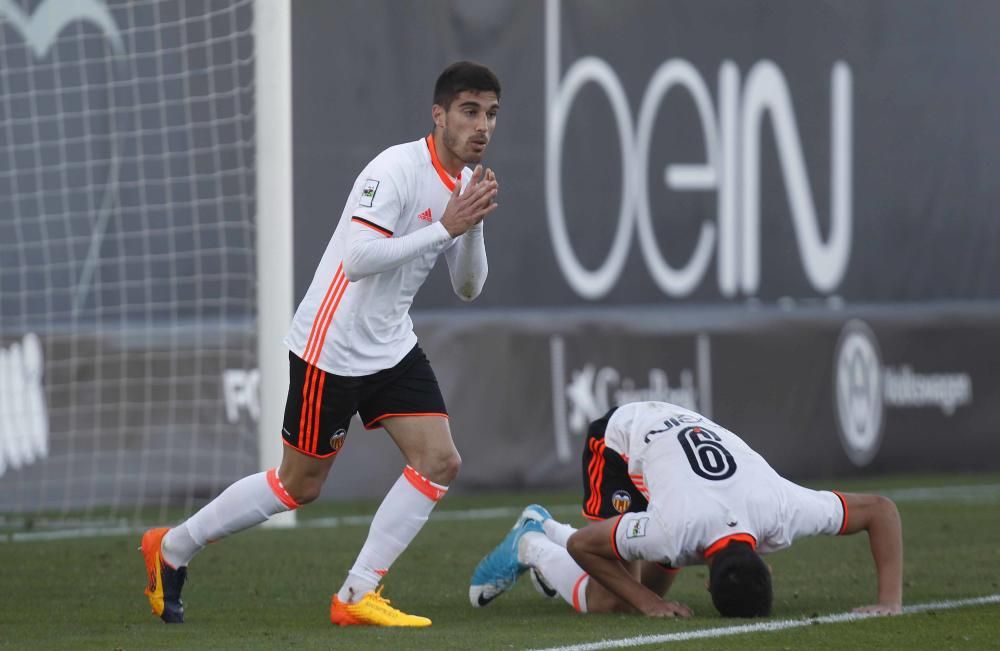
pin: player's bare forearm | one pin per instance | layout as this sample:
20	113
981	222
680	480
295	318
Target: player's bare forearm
656	578
879	517
590	547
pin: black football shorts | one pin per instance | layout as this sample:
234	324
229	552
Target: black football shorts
320	405
607	489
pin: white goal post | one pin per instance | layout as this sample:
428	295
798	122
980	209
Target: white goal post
275	211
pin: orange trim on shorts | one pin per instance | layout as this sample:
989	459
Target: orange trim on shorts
308	454
614	542
426	486
843	503
372	225
439	168
279	489
596	518
370	424
576	591
722	542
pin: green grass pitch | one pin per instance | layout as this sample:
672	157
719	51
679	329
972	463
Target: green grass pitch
270	589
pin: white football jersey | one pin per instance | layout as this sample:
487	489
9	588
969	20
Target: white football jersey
362	327
705	485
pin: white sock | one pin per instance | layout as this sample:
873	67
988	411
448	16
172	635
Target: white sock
244	504
558	568
558	532
399	518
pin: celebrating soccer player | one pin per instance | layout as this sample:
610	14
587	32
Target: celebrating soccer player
353	350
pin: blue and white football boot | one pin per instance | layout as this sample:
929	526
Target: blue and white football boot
541	514
499	569
535	512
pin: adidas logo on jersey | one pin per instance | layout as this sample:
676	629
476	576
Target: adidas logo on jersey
425	215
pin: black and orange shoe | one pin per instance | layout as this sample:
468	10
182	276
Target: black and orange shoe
163	588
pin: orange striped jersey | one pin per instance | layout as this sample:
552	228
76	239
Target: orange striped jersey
354	327
705	484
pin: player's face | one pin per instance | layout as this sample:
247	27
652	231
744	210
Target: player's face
468	124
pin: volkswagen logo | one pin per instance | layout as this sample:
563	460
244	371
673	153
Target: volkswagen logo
857	390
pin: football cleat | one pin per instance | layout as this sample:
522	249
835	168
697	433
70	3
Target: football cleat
540	514
372	610
163	588
535	512
541	585
499	569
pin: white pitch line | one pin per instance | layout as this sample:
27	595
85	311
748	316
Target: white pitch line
764	627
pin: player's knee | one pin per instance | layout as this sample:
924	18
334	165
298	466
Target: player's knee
440	468
452	464
446	467
305	490
575	546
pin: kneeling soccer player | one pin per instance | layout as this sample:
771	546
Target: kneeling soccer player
711	500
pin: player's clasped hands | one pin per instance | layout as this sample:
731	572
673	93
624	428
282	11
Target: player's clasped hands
468	208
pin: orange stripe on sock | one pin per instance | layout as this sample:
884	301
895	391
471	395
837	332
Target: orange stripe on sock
279	489
426	486
576	591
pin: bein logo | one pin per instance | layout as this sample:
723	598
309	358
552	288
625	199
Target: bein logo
731	130
24	421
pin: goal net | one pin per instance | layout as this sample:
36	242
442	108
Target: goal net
127	262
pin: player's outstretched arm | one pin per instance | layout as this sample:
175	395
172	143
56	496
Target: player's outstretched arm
591	548
878	516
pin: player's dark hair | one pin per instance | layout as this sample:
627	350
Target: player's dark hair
740	582
464	75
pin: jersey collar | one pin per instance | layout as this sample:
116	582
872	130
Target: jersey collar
715	547
446	178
